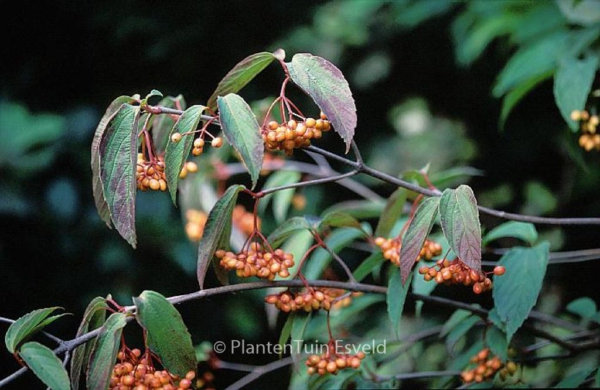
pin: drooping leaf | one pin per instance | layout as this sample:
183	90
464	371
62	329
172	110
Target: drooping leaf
460	330
45	365
241	74
459	218
496	340
339	219
512	98
25	327
98	191
286	331
521	230
163	124
177	153
367	265
326	85
298	329
525	270
118	160
104	352
168	336
286	229
584	307
361	209
392	212
281	199
574	380
418	229
456	318
243	132
216	230
572	85
93	318
395	298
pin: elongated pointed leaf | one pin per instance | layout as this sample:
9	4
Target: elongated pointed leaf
286	229
104	352
243	132
367	265
177	153
216	230
25	327
496	340
168	336
521	230
98	191
286	331
326	85
459	218
396	296
572	85
163	124
415	236
93	318
241	74
118	159
461	329
516	292
339	219
282	200
392	212
45	365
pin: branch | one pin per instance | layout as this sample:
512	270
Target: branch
260	371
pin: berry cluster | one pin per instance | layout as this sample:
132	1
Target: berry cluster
486	367
188	167
257	262
194	227
307	300
244	220
332	363
151	174
457	272
293	135
131	372
198	145
391	249
587	124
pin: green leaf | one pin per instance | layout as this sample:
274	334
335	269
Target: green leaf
521	230
326	85
177	153
299	328
367	265
107	118
418	229
496	340
391	213
241	74
27	326
104	352
217	230
512	98
459	218
456	318
525	270
574	380
163	124
584	307
572	85
361	209
243	132
459	331
395	298
93	318
286	331
168	336
286	229
45	365
339	219
530	61
118	161
281	199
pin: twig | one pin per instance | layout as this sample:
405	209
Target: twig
260	371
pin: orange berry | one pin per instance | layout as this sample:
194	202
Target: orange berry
499	270
176	137
310	122
217	142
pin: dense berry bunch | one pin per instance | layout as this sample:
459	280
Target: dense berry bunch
293	135
151	174
131	372
486	367
244	219
457	272
391	249
257	262
194	227
333	363
307	300
587	124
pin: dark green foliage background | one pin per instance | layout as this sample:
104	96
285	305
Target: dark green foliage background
72	58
